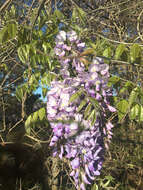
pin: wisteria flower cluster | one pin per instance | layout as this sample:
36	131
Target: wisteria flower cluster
68	46
74	136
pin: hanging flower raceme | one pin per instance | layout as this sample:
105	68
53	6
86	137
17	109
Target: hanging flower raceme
68	47
75	136
79	141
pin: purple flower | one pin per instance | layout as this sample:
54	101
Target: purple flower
98	85
94	67
75	163
72	173
51	112
53	140
88	172
82	186
81	45
64	72
104	69
55	152
75	136
109	125
93	76
73	153
61	153
85	179
58	130
72	36
98	97
65	47
112	109
61	36
59	52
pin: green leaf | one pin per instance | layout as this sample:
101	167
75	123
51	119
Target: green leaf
74	14
135	52
32	49
19	93
23	53
32	79
141	114
42	113
95	187
44	92
94	46
137	113
93	118
82	104
127	85
91	115
28	125
119	51
87	110
8	32
4	35
141	98
12	30
109	177
134	112
59	14
107	52
78	13
133	96
35	116
106	184
44	45
94	102
89	51
122	108
75	95
113	80
13	11
81	12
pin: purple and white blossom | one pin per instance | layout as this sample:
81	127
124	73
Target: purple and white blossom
80	140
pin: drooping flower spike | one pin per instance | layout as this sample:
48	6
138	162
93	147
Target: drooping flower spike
80	141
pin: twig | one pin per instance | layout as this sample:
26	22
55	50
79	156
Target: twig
38	12
37	140
15	125
8	75
138	25
4	5
114	41
3	109
13	82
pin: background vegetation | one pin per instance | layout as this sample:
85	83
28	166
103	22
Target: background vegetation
114	31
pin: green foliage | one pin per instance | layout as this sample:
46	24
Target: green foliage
19	93
33	119
82	104
113	80
78	13
136	113
90	105
121	48
135	53
76	95
122	107
23	53
8	32
107	52
87	110
133	96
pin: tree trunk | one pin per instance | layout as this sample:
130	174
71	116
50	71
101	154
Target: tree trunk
55	172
